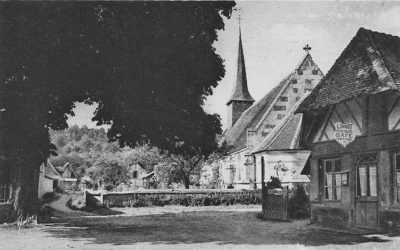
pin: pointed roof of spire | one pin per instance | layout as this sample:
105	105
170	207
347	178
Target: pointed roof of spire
240	91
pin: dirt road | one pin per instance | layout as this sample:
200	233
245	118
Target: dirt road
234	227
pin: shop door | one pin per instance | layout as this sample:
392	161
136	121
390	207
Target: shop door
366	198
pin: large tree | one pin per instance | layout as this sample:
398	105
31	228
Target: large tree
148	65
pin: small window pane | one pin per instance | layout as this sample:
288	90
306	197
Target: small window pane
328	167
338	165
398	162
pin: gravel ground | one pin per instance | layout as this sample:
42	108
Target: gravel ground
176	227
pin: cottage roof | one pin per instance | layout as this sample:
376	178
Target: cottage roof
50	171
369	64
61	170
241	92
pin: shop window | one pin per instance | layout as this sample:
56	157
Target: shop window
295	90
366	175
333	179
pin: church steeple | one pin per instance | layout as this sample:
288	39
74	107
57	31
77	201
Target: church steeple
241	98
240	91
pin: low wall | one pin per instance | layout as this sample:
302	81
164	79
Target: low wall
197	197
390	219
334	217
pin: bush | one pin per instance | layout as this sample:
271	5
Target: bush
299	204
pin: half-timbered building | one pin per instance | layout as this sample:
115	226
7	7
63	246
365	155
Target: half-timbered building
351	124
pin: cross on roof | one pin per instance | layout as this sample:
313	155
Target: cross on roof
307	48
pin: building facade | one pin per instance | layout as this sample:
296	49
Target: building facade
352	127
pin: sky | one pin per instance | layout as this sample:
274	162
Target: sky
273	35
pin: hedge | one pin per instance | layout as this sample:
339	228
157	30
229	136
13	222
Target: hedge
197	198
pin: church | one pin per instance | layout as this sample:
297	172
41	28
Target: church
268	126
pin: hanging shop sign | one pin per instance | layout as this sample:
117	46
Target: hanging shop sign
344	133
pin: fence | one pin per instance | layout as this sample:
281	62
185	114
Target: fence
275	203
4	193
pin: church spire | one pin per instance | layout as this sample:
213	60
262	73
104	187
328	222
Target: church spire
241	98
240	91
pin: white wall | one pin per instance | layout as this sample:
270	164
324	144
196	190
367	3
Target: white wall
293	161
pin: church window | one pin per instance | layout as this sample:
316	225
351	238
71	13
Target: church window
280	116
294	81
295	90
309	81
307	90
283	98
278	107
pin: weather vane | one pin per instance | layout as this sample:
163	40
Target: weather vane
307	48
239	17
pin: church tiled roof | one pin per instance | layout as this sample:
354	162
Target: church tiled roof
285	136
241	91
237	135
369	64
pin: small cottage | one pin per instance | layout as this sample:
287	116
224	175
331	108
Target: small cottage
351	125
69	178
49	179
136	172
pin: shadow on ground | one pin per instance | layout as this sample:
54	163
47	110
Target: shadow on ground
198	227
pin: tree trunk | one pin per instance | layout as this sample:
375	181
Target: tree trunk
24	194
186	182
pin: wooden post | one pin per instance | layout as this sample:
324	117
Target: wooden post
263	195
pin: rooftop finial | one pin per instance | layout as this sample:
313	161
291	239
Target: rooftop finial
307	48
239	17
